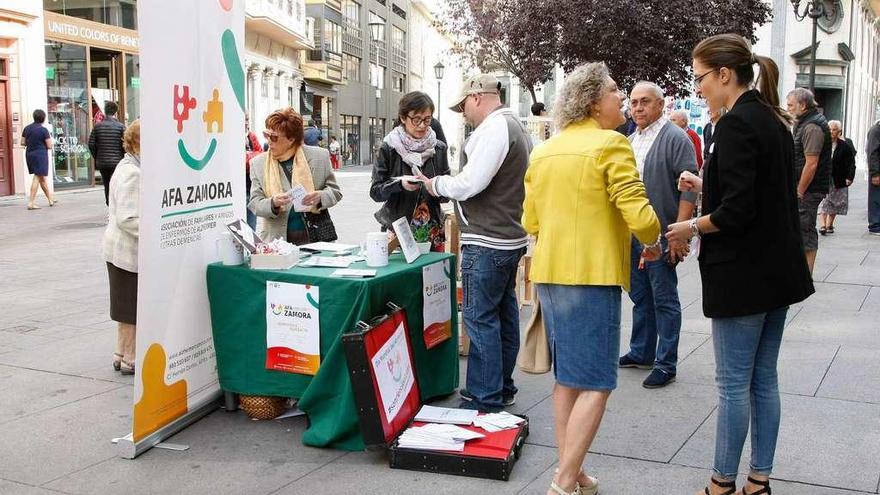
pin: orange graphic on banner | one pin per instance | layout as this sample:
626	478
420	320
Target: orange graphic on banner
437	333
160	404
292	361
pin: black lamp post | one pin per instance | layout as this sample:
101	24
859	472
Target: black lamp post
438	74
814	9
377	34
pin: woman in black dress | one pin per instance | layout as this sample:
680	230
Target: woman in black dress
38	142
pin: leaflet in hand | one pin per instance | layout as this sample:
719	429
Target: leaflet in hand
409	178
445	415
298	193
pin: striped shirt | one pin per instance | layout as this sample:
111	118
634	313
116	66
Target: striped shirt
643	140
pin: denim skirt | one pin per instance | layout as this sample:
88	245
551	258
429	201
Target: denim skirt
583	331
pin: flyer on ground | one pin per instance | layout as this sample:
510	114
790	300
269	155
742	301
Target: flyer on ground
392	367
436	306
293	332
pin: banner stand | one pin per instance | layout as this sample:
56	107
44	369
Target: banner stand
128	449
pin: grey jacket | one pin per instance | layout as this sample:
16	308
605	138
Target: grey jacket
271	226
671	154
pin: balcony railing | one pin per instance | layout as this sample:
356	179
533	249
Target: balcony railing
398	60
352	41
383	53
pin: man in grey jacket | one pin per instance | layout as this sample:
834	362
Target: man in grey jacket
489	193
663	151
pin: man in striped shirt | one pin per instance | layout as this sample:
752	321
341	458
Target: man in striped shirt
489	193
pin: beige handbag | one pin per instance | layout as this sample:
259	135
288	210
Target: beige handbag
534	353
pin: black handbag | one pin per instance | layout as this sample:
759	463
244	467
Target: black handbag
320	227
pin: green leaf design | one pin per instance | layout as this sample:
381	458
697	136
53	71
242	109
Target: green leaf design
233	66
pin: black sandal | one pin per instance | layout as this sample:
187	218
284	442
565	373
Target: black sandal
765	490
724	484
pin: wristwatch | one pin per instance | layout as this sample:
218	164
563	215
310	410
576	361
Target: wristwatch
695	228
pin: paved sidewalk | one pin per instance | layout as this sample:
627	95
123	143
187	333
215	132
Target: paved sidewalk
61	402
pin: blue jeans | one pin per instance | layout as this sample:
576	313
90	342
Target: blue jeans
746	351
491	319
873	208
656	314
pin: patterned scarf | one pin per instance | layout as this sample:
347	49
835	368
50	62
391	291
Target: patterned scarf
413	151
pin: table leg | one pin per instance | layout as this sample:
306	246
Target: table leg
230	401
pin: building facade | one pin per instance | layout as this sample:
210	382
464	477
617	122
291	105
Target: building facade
276	36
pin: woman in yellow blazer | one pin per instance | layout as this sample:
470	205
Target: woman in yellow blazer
584	201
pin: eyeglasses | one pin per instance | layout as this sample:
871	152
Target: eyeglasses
699	79
426	121
271	136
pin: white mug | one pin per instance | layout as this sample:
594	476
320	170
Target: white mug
377	249
229	249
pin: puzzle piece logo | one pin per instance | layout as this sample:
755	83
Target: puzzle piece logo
213	117
182	105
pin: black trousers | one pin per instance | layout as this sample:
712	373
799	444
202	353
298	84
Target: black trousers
106	174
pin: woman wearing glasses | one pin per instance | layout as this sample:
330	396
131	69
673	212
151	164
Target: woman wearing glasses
275	174
409	149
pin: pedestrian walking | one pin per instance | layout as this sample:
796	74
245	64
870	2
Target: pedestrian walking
662	152
120	248
812	155
583	189
843	172
752	261
105	144
335	150
410	148
873	152
489	193
682	120
38	141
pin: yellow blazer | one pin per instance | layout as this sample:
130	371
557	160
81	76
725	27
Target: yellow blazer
584	200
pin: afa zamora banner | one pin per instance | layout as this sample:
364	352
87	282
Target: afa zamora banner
192	162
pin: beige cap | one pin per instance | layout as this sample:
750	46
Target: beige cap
481	83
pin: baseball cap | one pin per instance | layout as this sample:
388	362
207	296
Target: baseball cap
481	83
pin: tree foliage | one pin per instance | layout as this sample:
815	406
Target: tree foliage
638	39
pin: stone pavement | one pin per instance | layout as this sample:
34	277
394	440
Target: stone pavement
61	403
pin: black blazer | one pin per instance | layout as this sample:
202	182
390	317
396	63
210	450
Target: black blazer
398	201
756	262
843	163
708	130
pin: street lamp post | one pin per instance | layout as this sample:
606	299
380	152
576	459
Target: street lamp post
438	74
814	9
377	33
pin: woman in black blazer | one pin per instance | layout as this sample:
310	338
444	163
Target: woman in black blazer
751	254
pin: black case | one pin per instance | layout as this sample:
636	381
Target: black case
454	463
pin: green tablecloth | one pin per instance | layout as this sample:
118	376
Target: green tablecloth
238	313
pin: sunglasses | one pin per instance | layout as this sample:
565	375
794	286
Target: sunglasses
271	136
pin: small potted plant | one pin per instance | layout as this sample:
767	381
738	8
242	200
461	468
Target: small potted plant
422	237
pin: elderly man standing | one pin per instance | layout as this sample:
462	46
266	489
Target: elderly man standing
812	164
663	151
489	193
681	119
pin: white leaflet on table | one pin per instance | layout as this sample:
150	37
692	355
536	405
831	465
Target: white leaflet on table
445	415
331	247
353	273
245	235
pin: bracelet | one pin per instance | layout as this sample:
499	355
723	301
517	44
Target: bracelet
695	228
655	245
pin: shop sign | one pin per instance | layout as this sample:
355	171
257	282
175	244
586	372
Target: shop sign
90	33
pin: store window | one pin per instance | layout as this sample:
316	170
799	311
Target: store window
132	88
68	112
122	13
351	139
351	67
398	82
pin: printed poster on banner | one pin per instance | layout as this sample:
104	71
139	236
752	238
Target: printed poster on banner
392	367
293	333
192	120
437	308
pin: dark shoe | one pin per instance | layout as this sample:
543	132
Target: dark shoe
628	362
507	400
765	487
126	368
823	231
117	361
871	232
658	379
830	230
730	485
